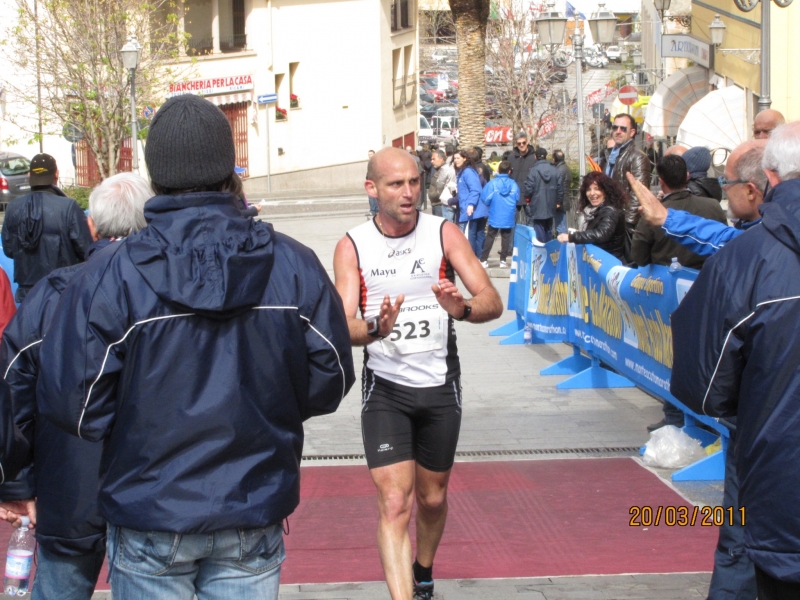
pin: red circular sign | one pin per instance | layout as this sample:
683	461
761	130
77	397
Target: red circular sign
628	94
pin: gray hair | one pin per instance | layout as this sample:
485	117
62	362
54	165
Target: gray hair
782	153
748	167
117	205
440	154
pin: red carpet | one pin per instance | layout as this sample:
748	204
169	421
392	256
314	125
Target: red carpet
507	519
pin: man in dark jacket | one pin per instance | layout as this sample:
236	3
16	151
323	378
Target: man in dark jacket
70	531
698	161
625	158
197	348
43	230
522	159
566	180
545	189
651	245
735	337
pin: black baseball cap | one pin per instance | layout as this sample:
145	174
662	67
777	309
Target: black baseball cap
43	170
541	153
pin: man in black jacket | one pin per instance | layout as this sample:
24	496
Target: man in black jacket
69	529
522	159
43	230
566	181
196	349
545	190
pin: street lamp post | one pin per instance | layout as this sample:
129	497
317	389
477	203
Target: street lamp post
552	26
130	60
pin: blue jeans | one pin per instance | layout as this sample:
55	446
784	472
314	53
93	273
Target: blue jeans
543	229
561	222
449	213
66	577
224	565
476	234
373	206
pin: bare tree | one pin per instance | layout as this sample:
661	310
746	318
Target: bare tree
72	48
470	17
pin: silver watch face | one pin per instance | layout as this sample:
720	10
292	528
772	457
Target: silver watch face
372	325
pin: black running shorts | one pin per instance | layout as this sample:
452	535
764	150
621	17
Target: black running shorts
400	423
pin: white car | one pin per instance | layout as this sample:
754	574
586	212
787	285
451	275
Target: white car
614	53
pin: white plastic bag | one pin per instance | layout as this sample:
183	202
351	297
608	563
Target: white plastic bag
671	448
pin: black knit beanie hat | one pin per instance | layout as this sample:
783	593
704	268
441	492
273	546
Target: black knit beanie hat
190	144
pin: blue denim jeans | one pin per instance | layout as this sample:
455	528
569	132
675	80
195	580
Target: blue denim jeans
373	205
477	235
224	565
66	577
449	213
561	222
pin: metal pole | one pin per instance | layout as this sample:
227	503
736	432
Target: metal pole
134	134
266	128
577	42
764	101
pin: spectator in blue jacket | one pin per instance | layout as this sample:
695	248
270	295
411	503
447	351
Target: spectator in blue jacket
500	195
737	354
472	213
196	349
70	531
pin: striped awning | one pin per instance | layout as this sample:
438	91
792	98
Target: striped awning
230	98
673	99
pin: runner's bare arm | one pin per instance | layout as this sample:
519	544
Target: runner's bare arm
348	284
485	301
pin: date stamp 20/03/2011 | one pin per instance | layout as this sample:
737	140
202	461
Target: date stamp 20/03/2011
683	516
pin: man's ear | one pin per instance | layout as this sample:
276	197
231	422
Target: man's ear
772	177
92	228
372	189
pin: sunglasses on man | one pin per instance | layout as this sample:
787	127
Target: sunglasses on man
622	128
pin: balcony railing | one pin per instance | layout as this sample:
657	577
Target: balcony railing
233	43
200	46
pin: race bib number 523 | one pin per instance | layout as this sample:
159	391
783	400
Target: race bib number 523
419	328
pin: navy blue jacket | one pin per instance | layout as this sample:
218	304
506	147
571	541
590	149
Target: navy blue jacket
736	339
195	349
43	231
545	187
65	474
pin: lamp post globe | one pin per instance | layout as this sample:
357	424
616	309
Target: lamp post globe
130	54
637	57
717	30
602	24
662	5
551	26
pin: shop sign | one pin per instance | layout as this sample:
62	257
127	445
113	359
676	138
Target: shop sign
686	46
211	85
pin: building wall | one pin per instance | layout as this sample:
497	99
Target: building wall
785	84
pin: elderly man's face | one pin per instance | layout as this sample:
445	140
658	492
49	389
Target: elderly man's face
765	122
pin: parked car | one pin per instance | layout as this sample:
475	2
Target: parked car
426	98
425	134
427	110
14	182
438	95
613	53
445	55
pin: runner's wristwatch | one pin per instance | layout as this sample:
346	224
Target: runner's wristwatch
467	311
373	328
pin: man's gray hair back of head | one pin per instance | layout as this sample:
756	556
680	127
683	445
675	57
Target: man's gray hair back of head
117	205
782	153
749	168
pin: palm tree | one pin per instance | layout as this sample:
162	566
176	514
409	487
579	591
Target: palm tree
471	17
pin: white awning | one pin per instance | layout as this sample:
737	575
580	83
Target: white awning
673	99
717	121
230	98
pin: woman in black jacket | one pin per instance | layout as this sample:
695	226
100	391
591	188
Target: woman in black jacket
602	202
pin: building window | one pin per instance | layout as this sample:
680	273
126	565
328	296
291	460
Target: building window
400	13
398	81
237	117
410	90
294	93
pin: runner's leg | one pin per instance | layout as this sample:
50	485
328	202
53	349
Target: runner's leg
431	493
395	485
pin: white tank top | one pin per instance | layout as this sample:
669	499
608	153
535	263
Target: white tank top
421	350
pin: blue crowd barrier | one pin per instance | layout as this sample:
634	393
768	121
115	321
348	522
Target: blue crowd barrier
616	318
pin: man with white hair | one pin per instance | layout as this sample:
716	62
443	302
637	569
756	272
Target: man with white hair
70	531
736	339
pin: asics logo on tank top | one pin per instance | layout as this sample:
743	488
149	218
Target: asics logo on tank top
400	253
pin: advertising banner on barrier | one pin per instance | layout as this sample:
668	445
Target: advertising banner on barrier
585	296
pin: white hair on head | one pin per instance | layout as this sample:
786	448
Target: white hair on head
782	153
117	205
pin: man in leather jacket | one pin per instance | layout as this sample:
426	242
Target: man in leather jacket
625	158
